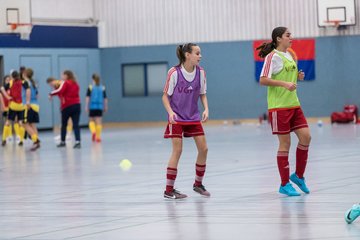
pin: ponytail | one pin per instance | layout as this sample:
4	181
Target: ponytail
267	48
182	49
29	73
96	79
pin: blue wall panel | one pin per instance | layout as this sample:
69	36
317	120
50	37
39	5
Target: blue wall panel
79	64
42	66
51	62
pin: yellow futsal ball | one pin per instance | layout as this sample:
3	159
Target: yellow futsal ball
125	164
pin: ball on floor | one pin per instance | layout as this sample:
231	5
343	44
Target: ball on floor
125	164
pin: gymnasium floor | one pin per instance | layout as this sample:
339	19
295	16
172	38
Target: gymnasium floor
83	194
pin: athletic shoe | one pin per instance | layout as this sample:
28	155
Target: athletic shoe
35	146
3	143
174	194
352	213
201	190
21	143
93	137
98	140
300	182
289	190
77	145
61	144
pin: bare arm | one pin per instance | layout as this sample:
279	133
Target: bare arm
5	94
87	100
204	101
166	102
28	96
265	81
2	104
105	105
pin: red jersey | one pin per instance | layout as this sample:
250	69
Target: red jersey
68	93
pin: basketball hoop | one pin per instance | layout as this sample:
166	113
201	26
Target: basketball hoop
24	29
335	23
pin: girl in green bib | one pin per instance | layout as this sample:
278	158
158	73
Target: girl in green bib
280	74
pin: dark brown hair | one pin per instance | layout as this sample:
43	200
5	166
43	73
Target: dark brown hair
29	73
15	75
70	75
96	79
267	47
182	49
21	71
4	79
50	79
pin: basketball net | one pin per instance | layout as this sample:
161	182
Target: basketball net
24	29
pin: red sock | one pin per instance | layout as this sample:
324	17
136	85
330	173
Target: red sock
200	171
301	159
283	165
170	179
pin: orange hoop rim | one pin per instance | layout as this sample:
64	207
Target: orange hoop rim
336	23
14	26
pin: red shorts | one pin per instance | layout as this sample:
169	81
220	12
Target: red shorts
178	131
286	121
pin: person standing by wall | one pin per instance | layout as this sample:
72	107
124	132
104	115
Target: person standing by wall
96	104
68	92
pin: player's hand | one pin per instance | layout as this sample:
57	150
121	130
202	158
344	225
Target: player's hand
105	109
172	118
301	75
28	106
290	86
205	116
86	109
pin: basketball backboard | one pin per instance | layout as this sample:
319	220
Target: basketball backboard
332	12
15	17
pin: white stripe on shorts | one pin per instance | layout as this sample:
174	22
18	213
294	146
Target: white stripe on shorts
274	121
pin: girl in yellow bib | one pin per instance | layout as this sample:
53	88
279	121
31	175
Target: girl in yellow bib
280	75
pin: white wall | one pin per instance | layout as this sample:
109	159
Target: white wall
62	12
153	22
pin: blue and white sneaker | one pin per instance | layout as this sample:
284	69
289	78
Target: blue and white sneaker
289	190
300	182
352	213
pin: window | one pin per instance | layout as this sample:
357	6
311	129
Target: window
145	79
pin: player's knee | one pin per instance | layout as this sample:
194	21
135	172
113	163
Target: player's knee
307	139
177	151
285	145
203	150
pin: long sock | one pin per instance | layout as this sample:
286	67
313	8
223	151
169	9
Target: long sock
34	138
200	172
98	132
10	131
301	159
17	129
170	179
92	127
21	133
283	165
6	132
